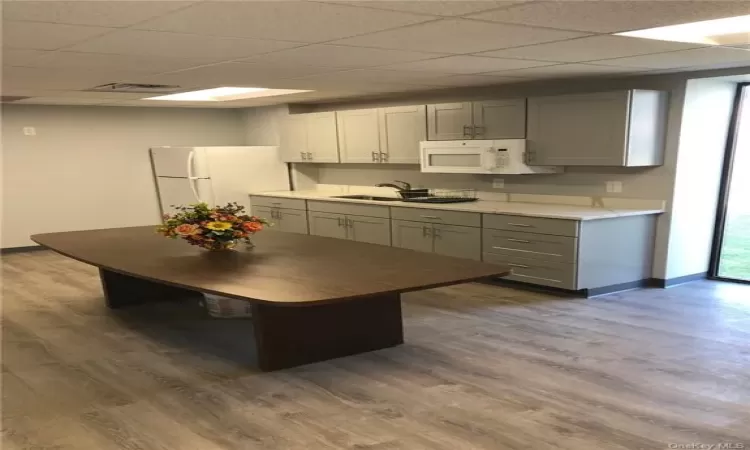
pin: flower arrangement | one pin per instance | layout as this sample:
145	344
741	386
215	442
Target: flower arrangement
216	228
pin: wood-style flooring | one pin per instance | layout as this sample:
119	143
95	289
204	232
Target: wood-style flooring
483	367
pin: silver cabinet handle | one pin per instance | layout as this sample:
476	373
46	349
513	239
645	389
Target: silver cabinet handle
426	231
478	130
522	241
519	225
375	157
309	156
302	155
341	221
349	222
273	214
436	233
467	131
430	217
383	157
519	265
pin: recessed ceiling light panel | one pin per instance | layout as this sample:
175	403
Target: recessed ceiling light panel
224	94
728	31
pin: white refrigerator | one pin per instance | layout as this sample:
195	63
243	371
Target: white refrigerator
216	175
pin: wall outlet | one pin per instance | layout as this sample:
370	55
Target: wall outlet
498	183
29	131
614	187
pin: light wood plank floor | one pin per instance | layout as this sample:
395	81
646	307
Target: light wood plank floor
483	367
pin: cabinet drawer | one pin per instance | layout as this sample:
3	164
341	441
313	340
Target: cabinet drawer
352	209
531	245
559	227
277	202
553	274
437	216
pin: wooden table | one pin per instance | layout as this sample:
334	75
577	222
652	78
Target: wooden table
313	298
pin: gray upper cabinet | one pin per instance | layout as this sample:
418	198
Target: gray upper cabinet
500	119
449	121
401	130
359	136
489	119
620	128
458	241
310	138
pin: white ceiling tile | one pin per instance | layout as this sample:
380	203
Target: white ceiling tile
699	57
299	21
19	57
373	76
614	16
62	101
236	74
463	64
458	36
472	80
63	79
110	13
138	63
435	7
178	45
340	56
590	48
46	36
566	70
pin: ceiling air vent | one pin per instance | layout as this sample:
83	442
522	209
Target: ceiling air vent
11	98
134	88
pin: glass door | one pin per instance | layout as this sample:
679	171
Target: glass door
731	255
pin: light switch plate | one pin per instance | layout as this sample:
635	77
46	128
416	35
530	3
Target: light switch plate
498	183
614	187
29	131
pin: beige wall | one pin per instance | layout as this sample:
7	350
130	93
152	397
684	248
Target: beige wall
702	145
88	166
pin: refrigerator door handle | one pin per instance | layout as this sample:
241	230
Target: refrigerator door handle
193	181
190	160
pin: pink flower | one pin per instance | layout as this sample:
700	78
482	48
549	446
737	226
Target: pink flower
187	229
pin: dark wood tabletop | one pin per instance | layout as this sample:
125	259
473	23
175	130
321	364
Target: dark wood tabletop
283	268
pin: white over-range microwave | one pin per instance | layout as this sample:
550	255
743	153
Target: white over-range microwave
503	156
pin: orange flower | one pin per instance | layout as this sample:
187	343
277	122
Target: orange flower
187	229
252	227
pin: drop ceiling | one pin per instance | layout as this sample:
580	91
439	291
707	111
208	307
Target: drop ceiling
52	50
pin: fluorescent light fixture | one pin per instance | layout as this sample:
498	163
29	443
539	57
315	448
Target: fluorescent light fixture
728	31
223	94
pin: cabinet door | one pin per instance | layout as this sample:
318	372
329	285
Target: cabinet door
327	224
458	241
412	235
375	230
359	139
449	121
266	212
294	138
402	128
500	119
321	137
578	130
292	221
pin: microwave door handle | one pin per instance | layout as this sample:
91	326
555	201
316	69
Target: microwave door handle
488	162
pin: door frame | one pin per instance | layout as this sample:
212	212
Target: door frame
743	91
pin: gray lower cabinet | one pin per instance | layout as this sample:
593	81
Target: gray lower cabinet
570	254
283	219
458	241
327	224
448	240
412	235
619	128
373	230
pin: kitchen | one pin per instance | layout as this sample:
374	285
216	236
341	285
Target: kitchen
615	189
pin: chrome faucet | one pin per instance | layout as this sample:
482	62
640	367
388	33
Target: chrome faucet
404	185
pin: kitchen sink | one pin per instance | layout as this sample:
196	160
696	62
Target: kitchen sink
369	197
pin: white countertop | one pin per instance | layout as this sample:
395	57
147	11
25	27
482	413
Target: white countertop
551	211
